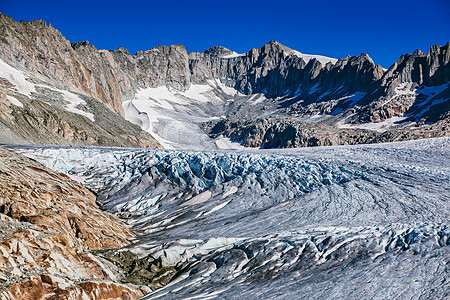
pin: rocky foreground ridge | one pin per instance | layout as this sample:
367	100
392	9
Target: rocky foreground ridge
49	224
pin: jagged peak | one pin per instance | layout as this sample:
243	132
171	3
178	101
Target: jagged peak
218	51
34	25
363	57
328	65
343	60
306	57
122	50
277	45
273	42
39	22
438	48
162	48
434	48
83	44
417	53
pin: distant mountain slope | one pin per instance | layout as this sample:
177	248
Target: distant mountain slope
271	81
49	96
35	112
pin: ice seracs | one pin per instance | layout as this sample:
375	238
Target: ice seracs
326	221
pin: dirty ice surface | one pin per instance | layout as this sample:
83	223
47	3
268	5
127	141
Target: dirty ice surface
346	222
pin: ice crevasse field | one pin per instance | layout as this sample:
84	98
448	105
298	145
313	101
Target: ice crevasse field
340	222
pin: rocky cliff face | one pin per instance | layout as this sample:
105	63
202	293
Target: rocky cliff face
49	224
41	49
415	86
352	90
276	70
52	92
270	133
42	121
108	76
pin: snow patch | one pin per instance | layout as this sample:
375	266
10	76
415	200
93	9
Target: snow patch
26	88
307	57
74	101
14	101
17	78
430	92
379	126
226	144
233	55
403	89
314	118
174	117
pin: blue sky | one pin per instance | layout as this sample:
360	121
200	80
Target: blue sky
383	29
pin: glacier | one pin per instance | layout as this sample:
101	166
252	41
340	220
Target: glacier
173	118
347	222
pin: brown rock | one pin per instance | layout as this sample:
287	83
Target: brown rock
44	287
32	193
47	224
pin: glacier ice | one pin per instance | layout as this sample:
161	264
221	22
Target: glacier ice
332	222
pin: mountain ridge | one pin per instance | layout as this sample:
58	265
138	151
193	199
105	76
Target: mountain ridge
350	91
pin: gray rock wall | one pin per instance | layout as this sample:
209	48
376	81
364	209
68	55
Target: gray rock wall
112	76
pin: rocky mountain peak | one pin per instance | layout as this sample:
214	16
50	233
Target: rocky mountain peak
122	50
353	73
366	57
275	70
82	44
274	46
437	63
314	66
218	51
364	62
275	43
418	53
430	69
342	61
437	49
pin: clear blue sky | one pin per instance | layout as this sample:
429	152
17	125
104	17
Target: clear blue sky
383	29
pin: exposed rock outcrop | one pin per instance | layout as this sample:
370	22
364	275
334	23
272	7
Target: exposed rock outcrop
48	225
108	76
41	121
276	70
415	86
268	133
277	133
42	50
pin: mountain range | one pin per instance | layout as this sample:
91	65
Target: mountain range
55	92
118	221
